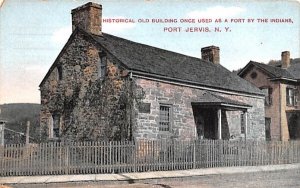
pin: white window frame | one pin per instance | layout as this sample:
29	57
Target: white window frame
291	97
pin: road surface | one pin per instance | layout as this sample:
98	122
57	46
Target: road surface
272	179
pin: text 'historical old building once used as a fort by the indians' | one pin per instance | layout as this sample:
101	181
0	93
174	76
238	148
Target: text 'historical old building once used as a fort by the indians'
102	87
280	81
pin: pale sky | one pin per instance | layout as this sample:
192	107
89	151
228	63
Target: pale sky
32	33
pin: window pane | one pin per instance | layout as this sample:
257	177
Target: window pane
102	66
267	92
290	96
164	118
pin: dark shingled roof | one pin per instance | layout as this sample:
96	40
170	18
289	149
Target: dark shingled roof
275	71
165	64
156	61
294	69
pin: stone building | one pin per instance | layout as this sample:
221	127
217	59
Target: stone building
102	87
280	81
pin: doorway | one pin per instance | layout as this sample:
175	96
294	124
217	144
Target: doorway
294	125
268	128
206	122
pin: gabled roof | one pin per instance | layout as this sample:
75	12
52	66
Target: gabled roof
274	71
294	68
155	61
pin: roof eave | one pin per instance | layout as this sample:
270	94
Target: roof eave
222	104
262	68
150	75
240	73
236	106
78	29
283	78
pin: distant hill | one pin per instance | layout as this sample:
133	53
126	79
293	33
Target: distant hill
16	115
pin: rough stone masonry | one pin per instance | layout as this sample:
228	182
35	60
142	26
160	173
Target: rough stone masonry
93	91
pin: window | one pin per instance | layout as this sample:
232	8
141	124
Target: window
50	126
102	66
243	123
268	96
291	98
164	117
54	125
59	73
268	128
253	75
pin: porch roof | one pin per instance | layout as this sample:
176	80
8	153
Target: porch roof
212	100
293	111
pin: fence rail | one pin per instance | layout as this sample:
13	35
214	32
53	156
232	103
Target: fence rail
119	157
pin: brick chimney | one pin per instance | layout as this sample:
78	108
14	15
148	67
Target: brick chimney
211	54
88	17
285	59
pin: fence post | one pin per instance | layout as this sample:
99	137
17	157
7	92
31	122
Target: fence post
135	146
67	165
2	126
194	154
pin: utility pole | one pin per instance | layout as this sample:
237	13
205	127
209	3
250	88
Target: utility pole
2	127
27	132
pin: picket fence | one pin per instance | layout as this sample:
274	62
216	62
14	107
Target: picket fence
118	157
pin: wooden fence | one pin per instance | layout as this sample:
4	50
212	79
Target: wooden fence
118	157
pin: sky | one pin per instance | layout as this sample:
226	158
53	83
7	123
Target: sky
33	32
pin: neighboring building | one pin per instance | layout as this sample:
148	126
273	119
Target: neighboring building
102	87
280	81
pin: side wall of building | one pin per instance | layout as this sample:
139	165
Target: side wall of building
183	122
84	103
273	110
286	109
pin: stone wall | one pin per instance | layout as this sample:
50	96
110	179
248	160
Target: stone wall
92	108
183	124
89	107
255	116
